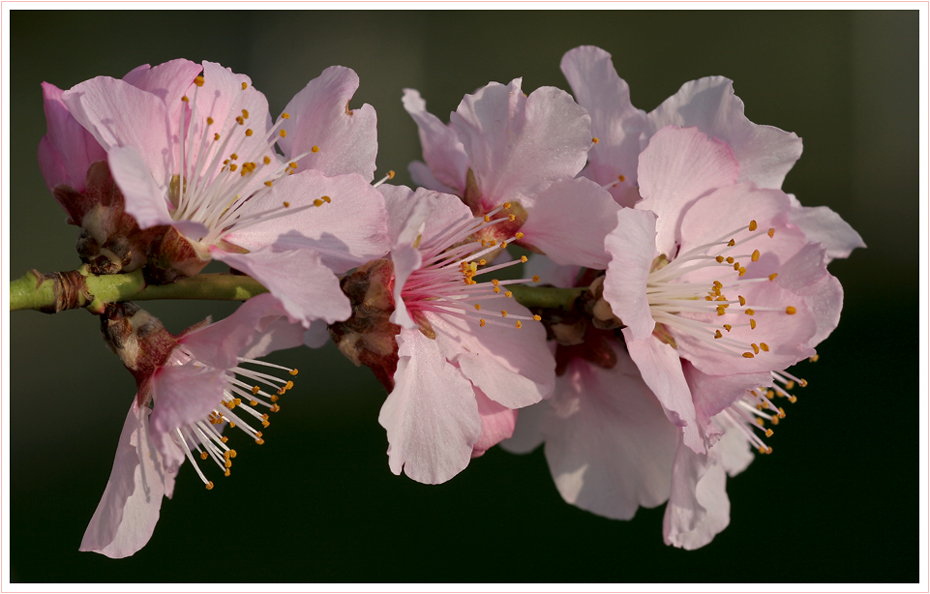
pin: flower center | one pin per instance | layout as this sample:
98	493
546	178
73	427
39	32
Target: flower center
246	393
674	302
225	162
445	284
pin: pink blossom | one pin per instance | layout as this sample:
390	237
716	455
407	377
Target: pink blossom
189	387
468	354
503	146
197	152
709	269
611	448
765	154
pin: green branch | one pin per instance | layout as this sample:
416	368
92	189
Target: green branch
58	291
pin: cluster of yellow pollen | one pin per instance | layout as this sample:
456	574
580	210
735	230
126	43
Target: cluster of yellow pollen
716	295
210	444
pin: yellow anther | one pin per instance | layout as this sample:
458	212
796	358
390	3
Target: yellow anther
781	413
268	183
708	298
233	156
260	441
742	270
224	439
216	136
240	120
293	371
535	278
233	167
730	259
755	348
792	398
228	463
727	327
753	225
719	259
518	235
503	244
275	408
198	81
721	310
495	282
769	433
764	347
789	385
772	232
519	324
503	313
248	132
523	258
209	121
742	300
391	174
253	402
736	266
752	323
748	355
487	219
512	218
286	204
507	205
760	422
508	294
481	323
315	149
283	133
274	397
185	99
203	455
245	86
731	243
267	160
497	289
718	334
791	310
595	140
750	312
537	317
482	261
227	473
755	256
266	424
209	485
245	113
326	199
289	385
317	202
814	358
621	177
286	115
773	276
477	307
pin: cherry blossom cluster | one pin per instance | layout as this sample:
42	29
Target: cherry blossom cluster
695	282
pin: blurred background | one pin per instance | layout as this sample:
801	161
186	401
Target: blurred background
836	502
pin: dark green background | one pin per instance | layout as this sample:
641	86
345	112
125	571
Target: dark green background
837	502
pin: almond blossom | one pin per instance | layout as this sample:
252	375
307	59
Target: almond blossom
709	269
502	146
611	448
196	152
765	153
189	387
457	355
